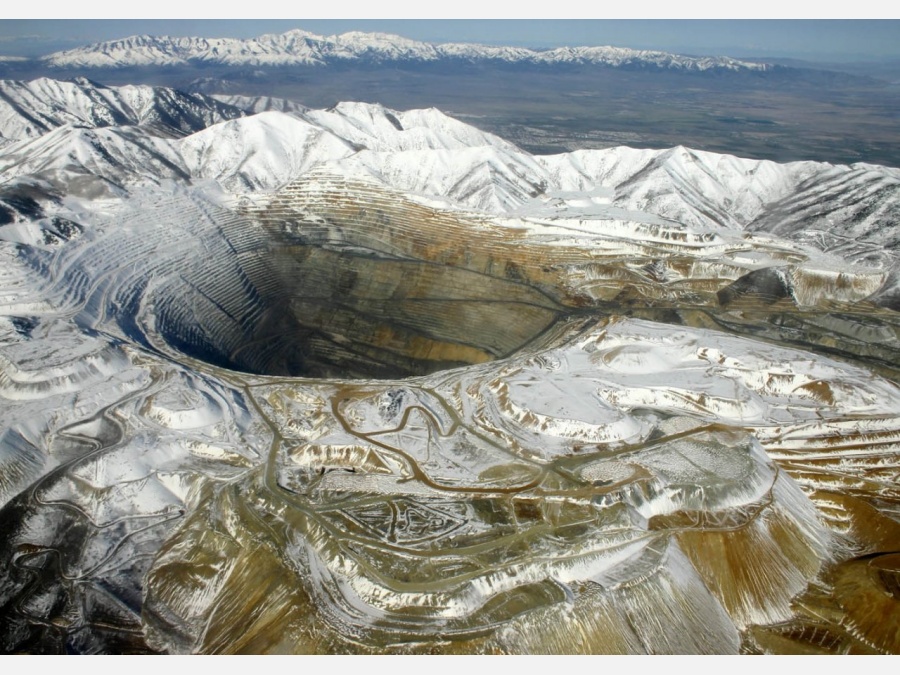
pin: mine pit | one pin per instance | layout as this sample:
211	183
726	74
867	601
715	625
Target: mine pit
350	292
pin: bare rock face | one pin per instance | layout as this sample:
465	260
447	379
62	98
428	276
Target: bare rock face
340	418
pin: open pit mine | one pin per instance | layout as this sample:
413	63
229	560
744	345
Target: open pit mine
366	381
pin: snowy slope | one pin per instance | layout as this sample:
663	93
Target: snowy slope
76	159
263	151
29	109
257	104
694	187
377	128
866	214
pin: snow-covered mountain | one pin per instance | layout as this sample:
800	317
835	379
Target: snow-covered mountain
30	109
113	133
114	156
301	48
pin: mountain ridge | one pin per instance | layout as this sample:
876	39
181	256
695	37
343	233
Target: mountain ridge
30	109
302	48
847	208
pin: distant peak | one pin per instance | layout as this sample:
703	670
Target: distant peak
362	35
294	33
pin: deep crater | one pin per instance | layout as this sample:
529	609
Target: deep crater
351	289
339	314
336	279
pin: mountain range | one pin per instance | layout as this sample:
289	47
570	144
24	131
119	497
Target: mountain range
131	135
302	48
578	97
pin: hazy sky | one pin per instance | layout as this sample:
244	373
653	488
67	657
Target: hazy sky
807	39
